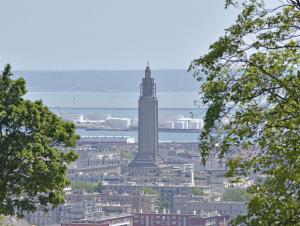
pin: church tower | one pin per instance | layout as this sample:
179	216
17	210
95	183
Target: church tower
148	124
148	117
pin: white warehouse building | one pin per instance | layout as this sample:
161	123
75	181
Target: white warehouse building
188	123
118	123
180	125
169	124
196	124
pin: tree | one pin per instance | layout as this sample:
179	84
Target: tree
99	187
149	191
163	206
236	195
251	76
197	191
88	187
32	167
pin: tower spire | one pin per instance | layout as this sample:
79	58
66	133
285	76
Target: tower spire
148	71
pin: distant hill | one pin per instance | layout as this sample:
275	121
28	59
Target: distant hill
106	81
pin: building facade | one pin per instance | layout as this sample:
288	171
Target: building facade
178	220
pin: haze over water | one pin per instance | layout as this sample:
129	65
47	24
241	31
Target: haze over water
114	93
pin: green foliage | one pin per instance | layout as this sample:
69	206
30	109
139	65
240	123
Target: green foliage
150	191
89	187
1	219
33	169
127	154
251	76
163	205
99	187
197	191
236	195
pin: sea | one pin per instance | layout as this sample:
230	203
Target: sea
121	105
116	93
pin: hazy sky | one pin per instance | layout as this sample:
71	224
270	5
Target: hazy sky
108	34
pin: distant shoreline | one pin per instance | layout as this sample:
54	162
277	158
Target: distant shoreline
98	70
135	129
106	81
121	109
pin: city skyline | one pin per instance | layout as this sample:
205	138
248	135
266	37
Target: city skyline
207	136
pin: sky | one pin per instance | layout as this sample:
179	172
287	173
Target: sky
108	34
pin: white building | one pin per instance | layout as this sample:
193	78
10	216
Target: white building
80	210
190	123
118	123
41	218
185	122
196	124
107	139
169	124
198	204
180	125
187	168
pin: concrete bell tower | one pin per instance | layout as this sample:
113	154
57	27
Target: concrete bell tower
148	123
